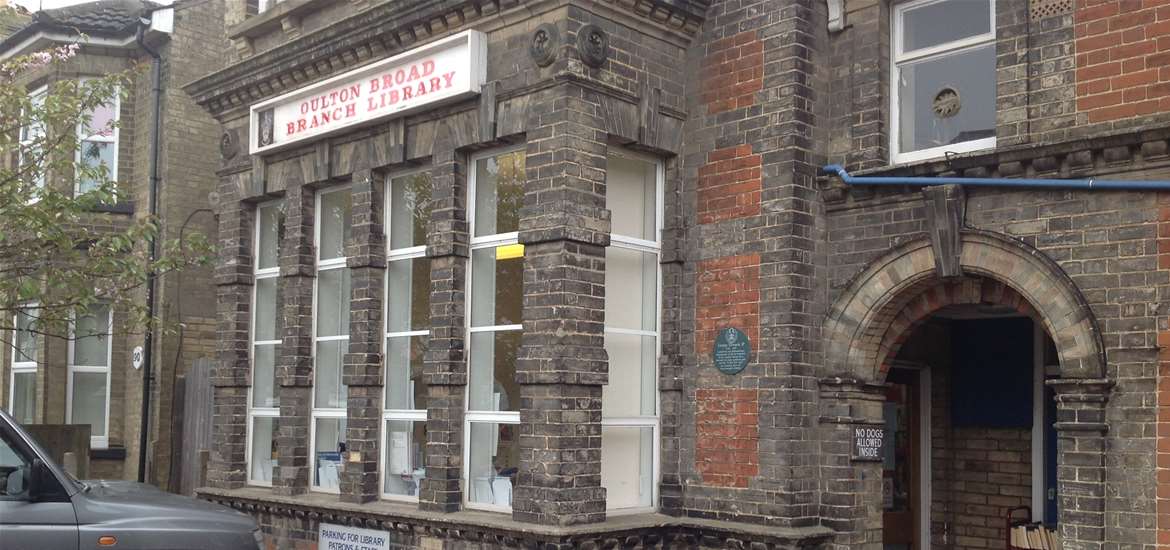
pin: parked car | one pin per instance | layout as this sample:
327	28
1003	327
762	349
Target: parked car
43	508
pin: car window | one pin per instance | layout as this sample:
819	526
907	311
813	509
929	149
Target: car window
14	468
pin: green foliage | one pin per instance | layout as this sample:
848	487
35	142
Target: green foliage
57	248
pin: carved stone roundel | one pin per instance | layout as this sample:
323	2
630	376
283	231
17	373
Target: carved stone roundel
592	45
545	41
229	145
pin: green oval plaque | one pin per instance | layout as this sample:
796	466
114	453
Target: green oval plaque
731	351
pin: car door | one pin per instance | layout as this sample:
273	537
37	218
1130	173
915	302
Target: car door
28	523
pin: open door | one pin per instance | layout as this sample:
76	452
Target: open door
901	471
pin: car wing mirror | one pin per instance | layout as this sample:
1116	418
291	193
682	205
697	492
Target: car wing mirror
35	479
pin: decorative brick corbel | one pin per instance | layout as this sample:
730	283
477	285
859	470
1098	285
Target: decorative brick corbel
945	207
244	47
291	26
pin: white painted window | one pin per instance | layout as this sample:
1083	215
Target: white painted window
408	319
629	431
944	82
491	429
262	6
89	373
331	337
22	395
97	140
31	138
263	399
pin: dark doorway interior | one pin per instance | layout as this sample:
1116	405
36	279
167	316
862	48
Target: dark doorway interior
961	405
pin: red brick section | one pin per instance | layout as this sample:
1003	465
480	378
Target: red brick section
729	184
1162	471
728	433
729	296
1123	58
733	72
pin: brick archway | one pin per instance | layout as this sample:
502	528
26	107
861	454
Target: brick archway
880	306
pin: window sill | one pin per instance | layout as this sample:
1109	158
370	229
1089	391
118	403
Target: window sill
126	207
937	154
469	521
110	453
270	19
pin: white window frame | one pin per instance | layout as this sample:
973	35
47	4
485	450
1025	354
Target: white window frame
98	138
20	367
482	417
95	441
259	274
407	254
29	134
653	247
898	57
322	412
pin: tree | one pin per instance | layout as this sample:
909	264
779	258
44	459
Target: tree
59	254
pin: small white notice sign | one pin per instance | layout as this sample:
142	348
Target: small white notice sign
136	357
341	537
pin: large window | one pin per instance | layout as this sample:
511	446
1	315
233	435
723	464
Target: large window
629	402
89	373
408	316
97	138
492	443
22	395
944	80
331	337
264	399
31	139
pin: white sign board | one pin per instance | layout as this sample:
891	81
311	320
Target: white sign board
447	70
136	357
340	537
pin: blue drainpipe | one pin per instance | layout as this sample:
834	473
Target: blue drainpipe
1125	185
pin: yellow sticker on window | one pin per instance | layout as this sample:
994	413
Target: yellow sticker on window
509	251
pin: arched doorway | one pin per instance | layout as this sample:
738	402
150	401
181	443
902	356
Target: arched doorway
957	370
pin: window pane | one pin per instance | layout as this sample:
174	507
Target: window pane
632	375
101	122
91	347
495	458
93	155
271	232
267	320
499	193
24	397
410	208
497	286
26	341
333	295
89	401
329	445
405	388
627	466
263	376
630	195
405	470
940	22
970	73
328	391
493	371
631	286
263	449
335	224
409	295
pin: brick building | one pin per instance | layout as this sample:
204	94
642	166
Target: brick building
487	271
92	380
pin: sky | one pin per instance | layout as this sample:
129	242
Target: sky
34	5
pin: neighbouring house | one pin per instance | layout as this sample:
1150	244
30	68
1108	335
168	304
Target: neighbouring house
92	380
565	274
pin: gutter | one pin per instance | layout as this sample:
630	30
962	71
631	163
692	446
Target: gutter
148	345
1088	184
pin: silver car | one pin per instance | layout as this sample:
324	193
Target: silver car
44	508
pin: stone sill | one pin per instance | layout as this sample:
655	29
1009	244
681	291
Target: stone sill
249	497
270	19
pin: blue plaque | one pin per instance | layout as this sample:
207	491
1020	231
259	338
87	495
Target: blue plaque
732	350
